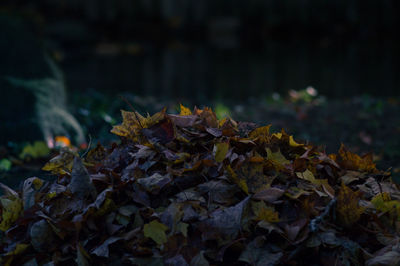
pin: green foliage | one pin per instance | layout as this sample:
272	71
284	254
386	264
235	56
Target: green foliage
36	150
5	164
222	111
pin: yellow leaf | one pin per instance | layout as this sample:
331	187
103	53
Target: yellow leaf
348	209
264	212
238	181
154	119
11	210
51	195
254	175
293	143
277	135
133	123
277	158
220	151
181	138
307	175
19	248
107	206
156	231
185	110
62	163
181	157
283	136
37	183
260	134
269	215
222	121
383	203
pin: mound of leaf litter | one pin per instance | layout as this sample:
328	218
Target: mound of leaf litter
190	189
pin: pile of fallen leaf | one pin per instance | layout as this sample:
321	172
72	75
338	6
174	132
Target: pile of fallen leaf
190	189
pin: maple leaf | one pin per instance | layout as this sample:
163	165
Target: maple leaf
250	176
228	126
309	176
348	209
133	123
208	116
62	163
261	134
184	110
352	161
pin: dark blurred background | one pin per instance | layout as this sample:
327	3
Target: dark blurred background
232	49
327	71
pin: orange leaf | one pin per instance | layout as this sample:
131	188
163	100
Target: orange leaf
352	161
